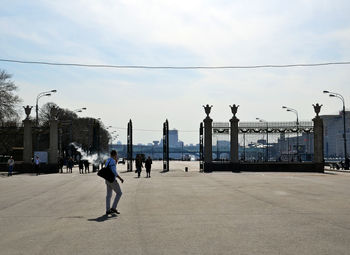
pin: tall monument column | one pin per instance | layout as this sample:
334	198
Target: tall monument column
129	146
53	149
234	135
27	137
318	136
208	123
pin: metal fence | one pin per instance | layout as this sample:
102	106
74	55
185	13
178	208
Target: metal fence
265	141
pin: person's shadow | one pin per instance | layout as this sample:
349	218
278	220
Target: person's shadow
103	218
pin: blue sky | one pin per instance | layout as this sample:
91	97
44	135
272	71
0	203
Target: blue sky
178	33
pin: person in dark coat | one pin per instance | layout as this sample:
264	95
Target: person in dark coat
70	164
86	165
139	165
148	165
81	166
60	164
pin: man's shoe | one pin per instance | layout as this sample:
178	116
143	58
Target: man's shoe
114	210
109	211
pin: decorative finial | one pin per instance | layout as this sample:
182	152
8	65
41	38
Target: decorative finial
207	109
54	112
317	108
27	110
234	109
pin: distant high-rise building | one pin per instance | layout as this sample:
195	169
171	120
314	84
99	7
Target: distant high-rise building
173	138
174	141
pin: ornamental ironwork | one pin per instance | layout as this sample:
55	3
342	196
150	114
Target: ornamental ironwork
263	127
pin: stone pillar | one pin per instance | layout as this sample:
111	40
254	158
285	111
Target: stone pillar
208	154
234	134
53	149
318	136
234	140
27	141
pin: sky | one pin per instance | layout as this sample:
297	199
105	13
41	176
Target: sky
178	33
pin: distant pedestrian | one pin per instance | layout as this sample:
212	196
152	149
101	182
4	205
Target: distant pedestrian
148	165
139	165
60	164
347	162
81	167
112	164
86	166
11	164
37	165
70	164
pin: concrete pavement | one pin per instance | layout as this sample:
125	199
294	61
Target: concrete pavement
177	213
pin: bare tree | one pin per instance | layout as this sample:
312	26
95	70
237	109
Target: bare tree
8	99
89	133
62	114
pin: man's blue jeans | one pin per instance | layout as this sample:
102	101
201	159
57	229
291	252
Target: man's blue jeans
10	170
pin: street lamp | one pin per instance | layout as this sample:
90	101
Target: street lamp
80	109
337	95
113	136
288	109
71	126
267	137
71	122
41	94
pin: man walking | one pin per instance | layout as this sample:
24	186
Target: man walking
37	165
148	165
10	164
112	164
139	165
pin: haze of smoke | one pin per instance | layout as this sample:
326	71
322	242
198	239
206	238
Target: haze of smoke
93	159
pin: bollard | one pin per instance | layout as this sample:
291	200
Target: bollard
186	169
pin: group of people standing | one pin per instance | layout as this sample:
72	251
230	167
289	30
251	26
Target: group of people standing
139	166
84	165
68	161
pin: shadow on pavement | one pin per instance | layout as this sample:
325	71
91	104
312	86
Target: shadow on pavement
103	218
126	172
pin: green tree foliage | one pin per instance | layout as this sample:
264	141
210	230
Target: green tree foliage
8	100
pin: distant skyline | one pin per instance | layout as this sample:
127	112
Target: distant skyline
178	33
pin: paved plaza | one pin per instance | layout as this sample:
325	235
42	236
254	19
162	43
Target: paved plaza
177	213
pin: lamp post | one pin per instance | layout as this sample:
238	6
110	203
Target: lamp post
113	136
41	94
80	109
267	137
288	109
337	95
71	123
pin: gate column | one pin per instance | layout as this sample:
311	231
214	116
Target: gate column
318	136
208	124
129	147
166	146
234	135
27	137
